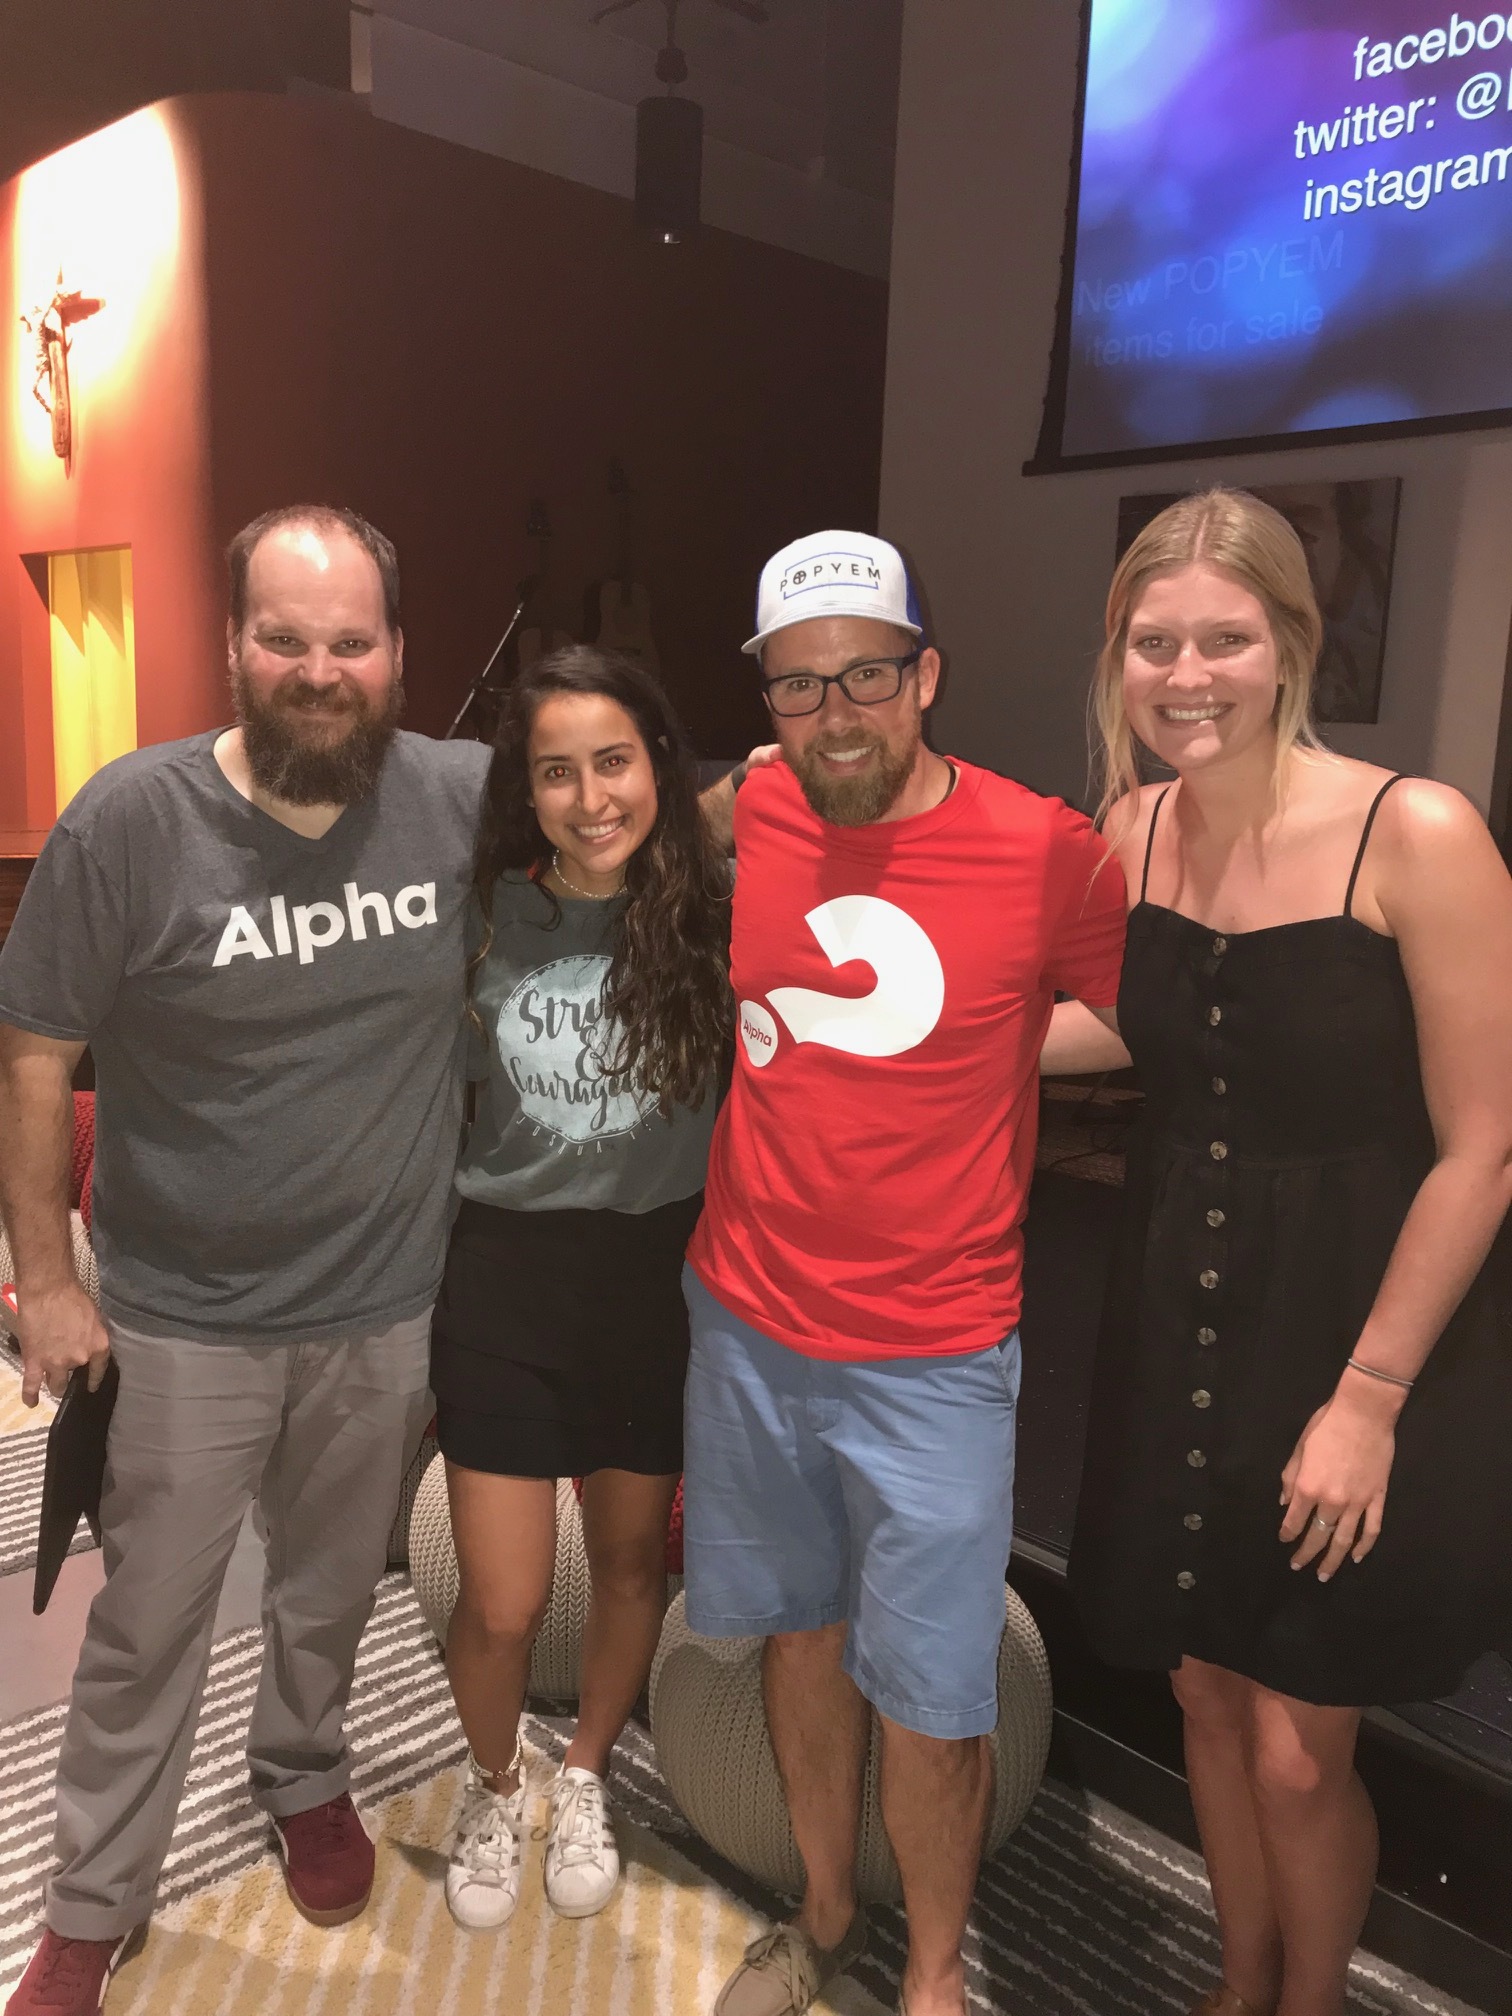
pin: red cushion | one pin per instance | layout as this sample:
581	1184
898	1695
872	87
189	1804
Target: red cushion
81	1173
674	1527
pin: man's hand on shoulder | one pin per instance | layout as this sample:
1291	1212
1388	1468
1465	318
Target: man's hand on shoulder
60	1328
718	802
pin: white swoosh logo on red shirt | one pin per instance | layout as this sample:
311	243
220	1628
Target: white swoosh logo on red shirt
896	1016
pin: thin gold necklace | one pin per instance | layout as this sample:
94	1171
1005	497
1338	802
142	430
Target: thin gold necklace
588	894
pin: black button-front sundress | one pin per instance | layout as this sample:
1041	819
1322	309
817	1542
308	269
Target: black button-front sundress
1284	1138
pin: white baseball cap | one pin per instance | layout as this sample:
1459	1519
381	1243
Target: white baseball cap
834	574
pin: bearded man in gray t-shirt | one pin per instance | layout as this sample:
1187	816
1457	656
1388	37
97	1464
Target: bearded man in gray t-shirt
260	936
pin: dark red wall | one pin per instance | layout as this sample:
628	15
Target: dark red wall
68	67
435	336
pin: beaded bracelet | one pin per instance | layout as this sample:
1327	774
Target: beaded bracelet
1372	1372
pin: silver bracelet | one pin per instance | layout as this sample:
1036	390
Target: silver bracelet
1371	1372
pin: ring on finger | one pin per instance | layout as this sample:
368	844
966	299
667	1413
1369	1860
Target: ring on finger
1325	1525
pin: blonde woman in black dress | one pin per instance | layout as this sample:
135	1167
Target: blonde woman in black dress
1297	1494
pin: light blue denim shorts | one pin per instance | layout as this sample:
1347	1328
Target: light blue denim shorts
875	1494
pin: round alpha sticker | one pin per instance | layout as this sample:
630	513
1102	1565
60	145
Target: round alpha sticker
553	1039
758	1032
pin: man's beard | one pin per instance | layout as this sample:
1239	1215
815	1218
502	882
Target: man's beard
298	772
863	799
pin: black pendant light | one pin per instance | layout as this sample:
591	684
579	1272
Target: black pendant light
669	134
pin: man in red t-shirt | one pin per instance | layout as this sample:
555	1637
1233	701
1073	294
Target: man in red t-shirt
902	923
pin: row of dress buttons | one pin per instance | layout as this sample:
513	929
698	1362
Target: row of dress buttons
1209	1278
1197	1459
1219	1152
1192	1521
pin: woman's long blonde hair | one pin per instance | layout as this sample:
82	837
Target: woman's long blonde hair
1234	531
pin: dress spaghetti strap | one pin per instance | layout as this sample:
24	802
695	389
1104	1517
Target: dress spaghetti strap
1359	860
1150	844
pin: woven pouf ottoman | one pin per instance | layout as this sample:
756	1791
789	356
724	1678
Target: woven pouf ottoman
398	1540
709	1727
555	1662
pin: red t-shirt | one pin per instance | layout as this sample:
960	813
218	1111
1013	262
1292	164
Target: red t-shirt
871	1166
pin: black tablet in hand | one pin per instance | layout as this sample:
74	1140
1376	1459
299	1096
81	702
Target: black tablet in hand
73	1474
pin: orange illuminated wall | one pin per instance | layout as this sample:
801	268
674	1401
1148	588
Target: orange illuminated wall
303	301
128	646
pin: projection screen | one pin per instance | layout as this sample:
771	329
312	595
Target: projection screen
1291	220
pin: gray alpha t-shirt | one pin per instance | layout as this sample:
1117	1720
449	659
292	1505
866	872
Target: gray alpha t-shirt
555	1129
278	1035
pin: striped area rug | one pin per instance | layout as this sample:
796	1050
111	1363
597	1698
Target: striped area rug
1086	1913
225	1939
16	1419
22	1456
402	1728
667	1940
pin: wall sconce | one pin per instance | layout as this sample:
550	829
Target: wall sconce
50	326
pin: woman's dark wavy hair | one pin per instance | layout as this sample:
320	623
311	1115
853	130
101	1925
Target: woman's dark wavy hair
668	986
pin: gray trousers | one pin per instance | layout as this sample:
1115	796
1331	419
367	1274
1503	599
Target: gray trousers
319	1434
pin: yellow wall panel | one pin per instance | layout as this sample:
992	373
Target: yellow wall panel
93	663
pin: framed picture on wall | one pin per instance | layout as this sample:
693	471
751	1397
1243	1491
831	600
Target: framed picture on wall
1349	533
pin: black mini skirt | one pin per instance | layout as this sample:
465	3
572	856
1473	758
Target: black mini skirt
559	1344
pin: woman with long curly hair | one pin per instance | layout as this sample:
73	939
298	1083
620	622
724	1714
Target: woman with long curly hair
601	1006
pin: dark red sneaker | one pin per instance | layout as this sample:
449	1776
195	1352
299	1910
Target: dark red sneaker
68	1977
327	1861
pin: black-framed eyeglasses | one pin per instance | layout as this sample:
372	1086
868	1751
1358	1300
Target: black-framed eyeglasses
865	685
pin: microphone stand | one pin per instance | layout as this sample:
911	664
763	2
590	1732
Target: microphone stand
480	684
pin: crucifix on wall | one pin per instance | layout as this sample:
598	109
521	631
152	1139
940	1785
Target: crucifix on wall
50	388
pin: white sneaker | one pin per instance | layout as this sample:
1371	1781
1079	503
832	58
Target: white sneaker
483	1874
582	1861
